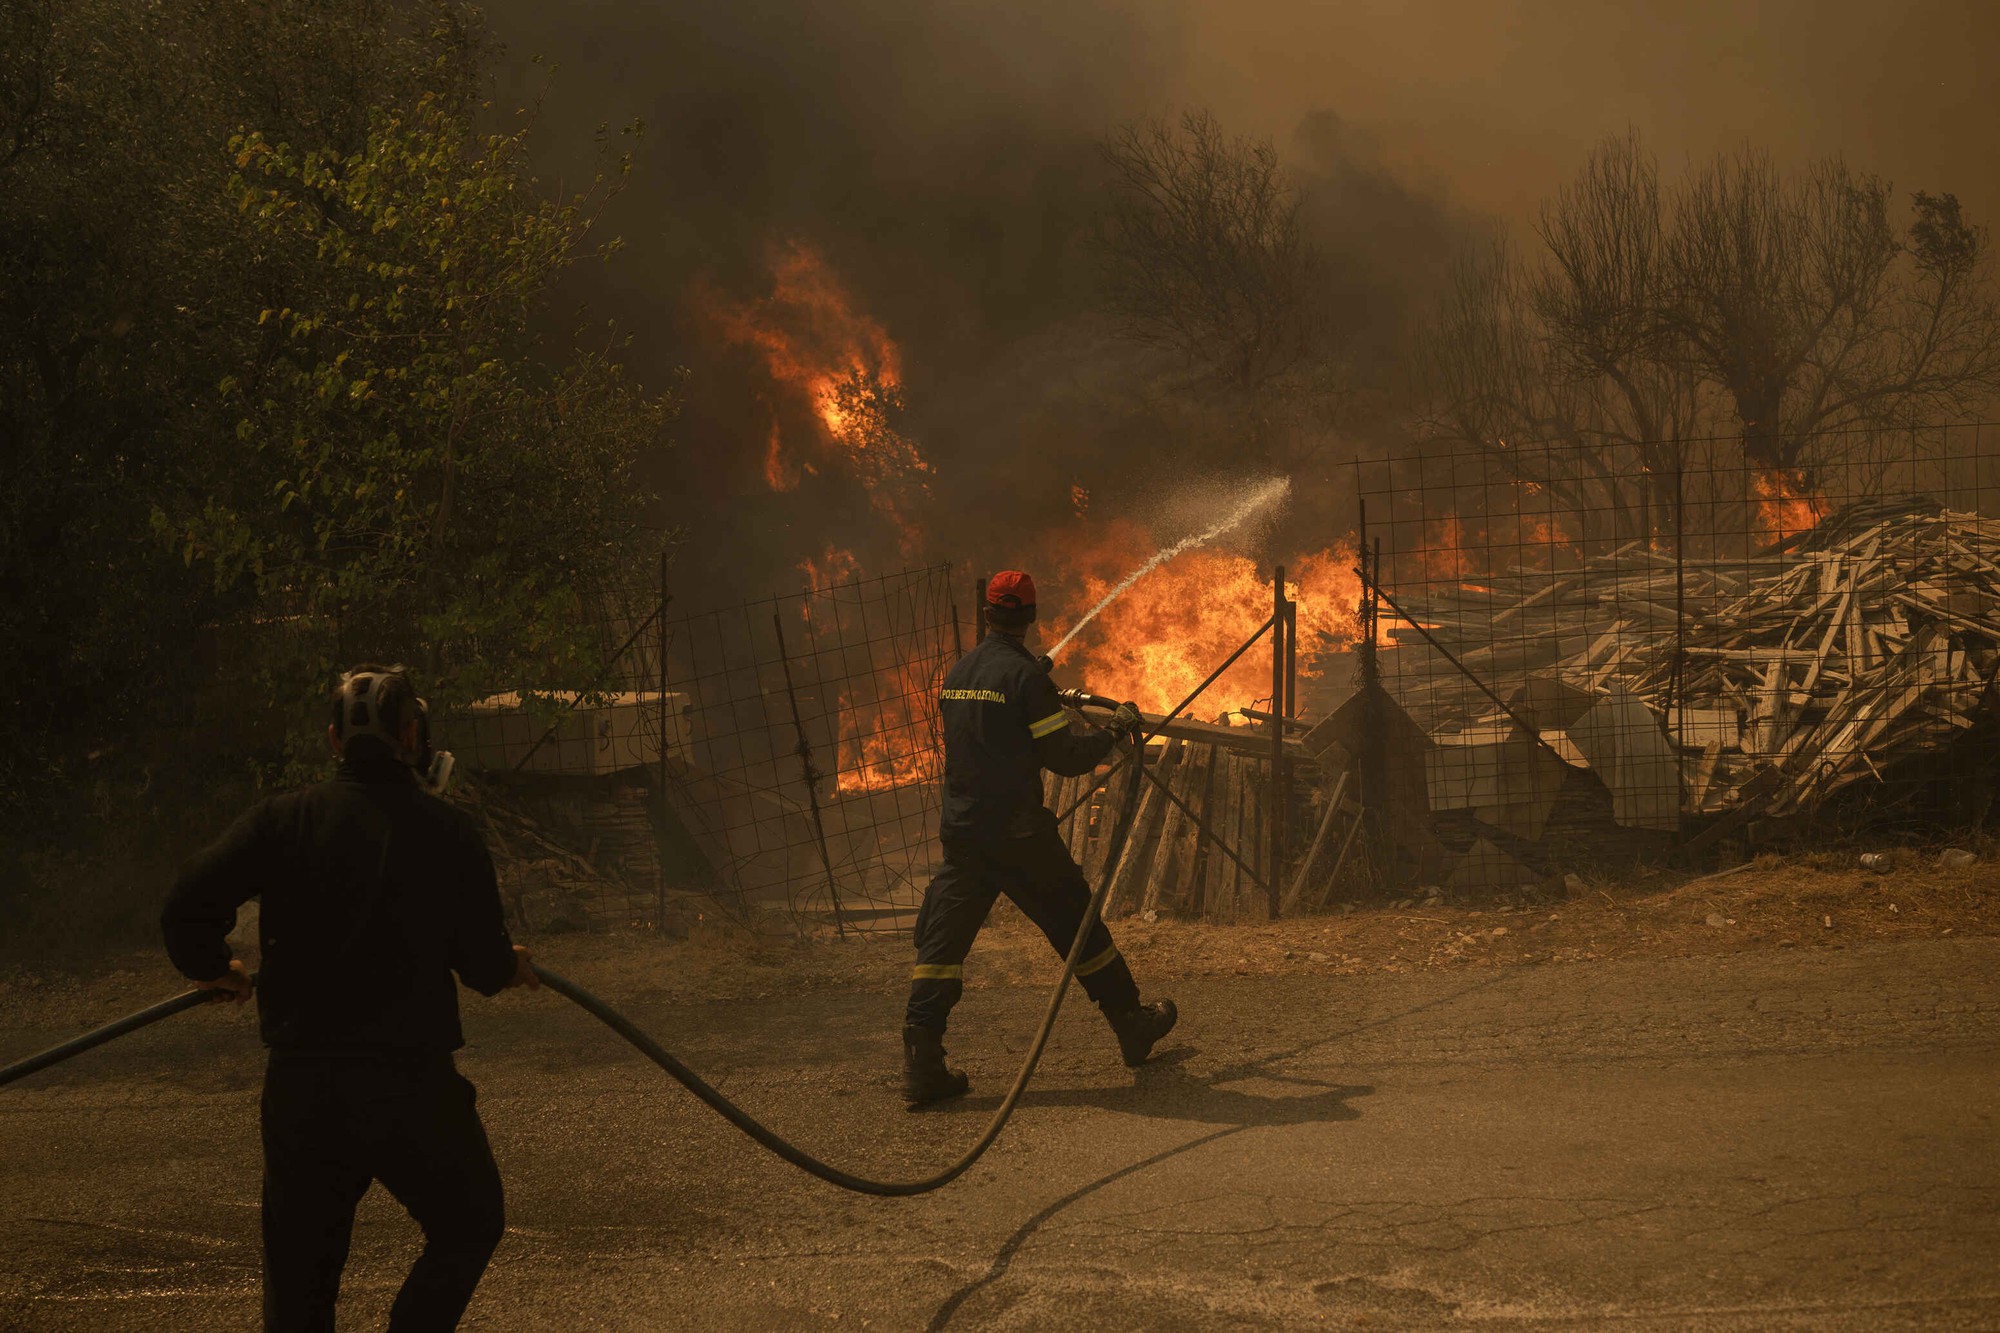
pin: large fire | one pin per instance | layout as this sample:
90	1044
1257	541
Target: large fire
822	351
1153	645
1162	638
835	393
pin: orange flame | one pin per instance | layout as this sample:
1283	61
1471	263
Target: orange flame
1550	531
817	345
1786	505
833	567
1153	645
1443	551
1162	638
889	742
1453	551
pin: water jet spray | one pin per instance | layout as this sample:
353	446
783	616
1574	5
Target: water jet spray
1269	493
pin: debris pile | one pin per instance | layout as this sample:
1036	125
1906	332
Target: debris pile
1759	685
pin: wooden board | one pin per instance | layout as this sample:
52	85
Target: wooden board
1223	872
1128	876
1251	846
1110	812
1194	865
1174	823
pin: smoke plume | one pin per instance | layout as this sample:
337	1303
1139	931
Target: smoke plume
816	173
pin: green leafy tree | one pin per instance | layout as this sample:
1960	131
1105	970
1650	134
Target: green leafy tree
418	476
128	287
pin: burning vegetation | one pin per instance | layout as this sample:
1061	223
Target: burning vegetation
836	388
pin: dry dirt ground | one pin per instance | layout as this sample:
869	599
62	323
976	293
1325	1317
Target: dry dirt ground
1605	1111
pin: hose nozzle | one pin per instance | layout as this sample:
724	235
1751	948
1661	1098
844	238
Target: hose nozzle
1080	698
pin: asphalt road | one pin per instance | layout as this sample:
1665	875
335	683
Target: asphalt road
1796	1139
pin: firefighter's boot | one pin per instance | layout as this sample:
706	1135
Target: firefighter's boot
925	1077
1140	1027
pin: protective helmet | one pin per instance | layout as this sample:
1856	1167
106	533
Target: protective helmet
358	705
358	715
1010	598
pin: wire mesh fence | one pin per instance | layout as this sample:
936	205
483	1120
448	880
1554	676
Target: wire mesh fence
780	754
809	752
1743	641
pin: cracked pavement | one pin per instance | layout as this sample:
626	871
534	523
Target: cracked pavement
1796	1139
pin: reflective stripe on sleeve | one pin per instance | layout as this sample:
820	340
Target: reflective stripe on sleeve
937	972
1054	722
1099	963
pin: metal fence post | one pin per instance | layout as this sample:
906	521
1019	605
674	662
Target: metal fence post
1372	762
1280	651
812	776
1291	708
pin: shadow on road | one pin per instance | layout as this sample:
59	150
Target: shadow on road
1261	1066
1164	1089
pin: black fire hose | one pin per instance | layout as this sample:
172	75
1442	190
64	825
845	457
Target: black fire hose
687	1078
55	1055
799	1157
666	1060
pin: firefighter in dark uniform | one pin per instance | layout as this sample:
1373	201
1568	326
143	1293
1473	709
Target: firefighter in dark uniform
1003	724
374	893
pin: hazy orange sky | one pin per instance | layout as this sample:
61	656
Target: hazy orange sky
1492	103
1497	100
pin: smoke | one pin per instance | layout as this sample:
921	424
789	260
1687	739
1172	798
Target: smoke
1503	98
943	162
941	159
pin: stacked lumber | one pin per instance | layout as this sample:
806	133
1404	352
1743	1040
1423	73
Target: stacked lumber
1868	641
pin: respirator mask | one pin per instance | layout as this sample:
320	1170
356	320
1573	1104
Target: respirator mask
360	715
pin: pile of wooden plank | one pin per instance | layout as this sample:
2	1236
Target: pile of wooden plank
1777	679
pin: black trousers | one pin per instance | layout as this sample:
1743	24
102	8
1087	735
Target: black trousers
332	1126
1038	875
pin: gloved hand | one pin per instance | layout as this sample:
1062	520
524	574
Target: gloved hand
233	985
1125	722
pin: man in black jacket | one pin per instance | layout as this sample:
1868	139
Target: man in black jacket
373	893
1003	724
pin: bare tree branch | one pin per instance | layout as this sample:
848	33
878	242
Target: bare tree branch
1201	250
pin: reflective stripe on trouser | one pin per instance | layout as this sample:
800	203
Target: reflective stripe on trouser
1039	877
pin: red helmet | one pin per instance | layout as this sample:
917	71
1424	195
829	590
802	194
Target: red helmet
1010	597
